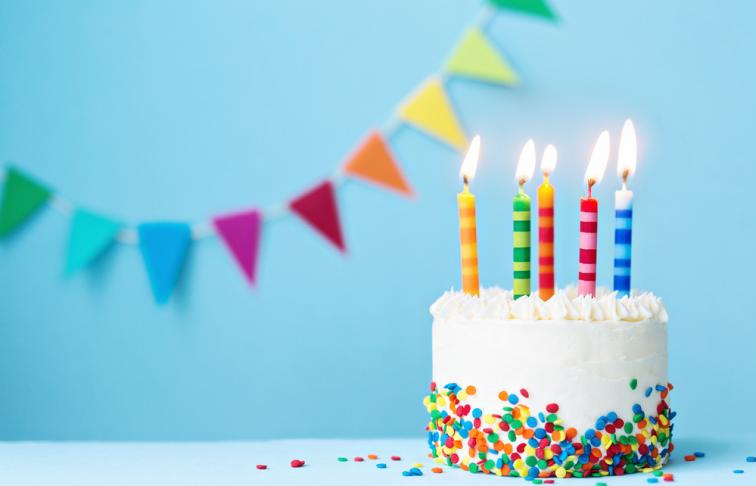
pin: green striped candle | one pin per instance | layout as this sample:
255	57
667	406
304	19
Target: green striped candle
521	244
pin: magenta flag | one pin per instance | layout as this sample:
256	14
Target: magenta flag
241	234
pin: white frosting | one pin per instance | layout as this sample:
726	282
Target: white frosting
580	353
496	303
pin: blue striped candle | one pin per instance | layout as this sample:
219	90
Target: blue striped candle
623	238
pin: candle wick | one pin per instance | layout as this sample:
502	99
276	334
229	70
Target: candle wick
591	182
625	175
466	181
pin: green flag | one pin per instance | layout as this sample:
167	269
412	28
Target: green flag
22	196
538	8
476	58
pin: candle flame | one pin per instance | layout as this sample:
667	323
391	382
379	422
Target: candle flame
628	151
549	160
470	164
526	164
600	156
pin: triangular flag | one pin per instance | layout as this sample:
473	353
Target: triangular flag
475	57
90	235
373	162
318	208
241	234
538	8
429	110
22	196
164	247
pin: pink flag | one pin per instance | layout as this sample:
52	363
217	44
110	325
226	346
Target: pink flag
241	234
318	208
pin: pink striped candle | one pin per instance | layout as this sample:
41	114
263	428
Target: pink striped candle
588	233
589	217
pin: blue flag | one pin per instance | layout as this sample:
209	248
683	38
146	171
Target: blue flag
164	247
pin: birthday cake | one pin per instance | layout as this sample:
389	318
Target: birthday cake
572	387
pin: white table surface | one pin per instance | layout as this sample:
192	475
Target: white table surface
233	463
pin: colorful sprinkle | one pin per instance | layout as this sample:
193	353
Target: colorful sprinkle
669	477
633	383
533	444
652	480
648	392
359	459
261	466
738	471
417	464
396	458
437	470
751	459
297	463
658	473
412	472
372	456
524	393
689	458
380	465
699	454
342	459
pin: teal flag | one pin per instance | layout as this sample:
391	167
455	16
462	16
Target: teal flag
90	235
538	8
164	248
22	196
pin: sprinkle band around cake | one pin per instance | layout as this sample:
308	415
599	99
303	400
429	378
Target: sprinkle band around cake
572	387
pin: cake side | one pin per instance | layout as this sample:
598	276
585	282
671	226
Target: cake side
520	392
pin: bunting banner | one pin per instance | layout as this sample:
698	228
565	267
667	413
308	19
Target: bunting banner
90	235
476	58
430	110
165	245
241	234
22	197
539	8
317	207
373	162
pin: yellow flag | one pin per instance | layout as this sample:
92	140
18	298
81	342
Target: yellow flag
429	110
477	58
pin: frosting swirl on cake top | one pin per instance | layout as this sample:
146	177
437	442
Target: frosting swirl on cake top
566	304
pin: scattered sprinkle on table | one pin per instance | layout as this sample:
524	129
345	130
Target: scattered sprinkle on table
658	473
297	463
417	464
633	383
738	471
751	459
699	454
548	481
600	484
358	459
396	458
372	456
669	477
342	459
412	472
437	470
380	465
652	480
690	458
261	466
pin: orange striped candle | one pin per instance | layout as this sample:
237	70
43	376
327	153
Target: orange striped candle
468	240
546	226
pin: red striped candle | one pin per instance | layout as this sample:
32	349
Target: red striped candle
588	233
589	217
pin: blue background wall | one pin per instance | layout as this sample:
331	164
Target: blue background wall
149	110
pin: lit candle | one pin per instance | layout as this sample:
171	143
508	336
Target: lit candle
521	219
467	230
623	210
589	217
546	226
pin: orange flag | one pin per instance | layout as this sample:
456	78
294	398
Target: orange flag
374	162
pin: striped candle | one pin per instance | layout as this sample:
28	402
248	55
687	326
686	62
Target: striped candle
546	240
623	235
546	226
521	244
468	242
588	233
623	209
